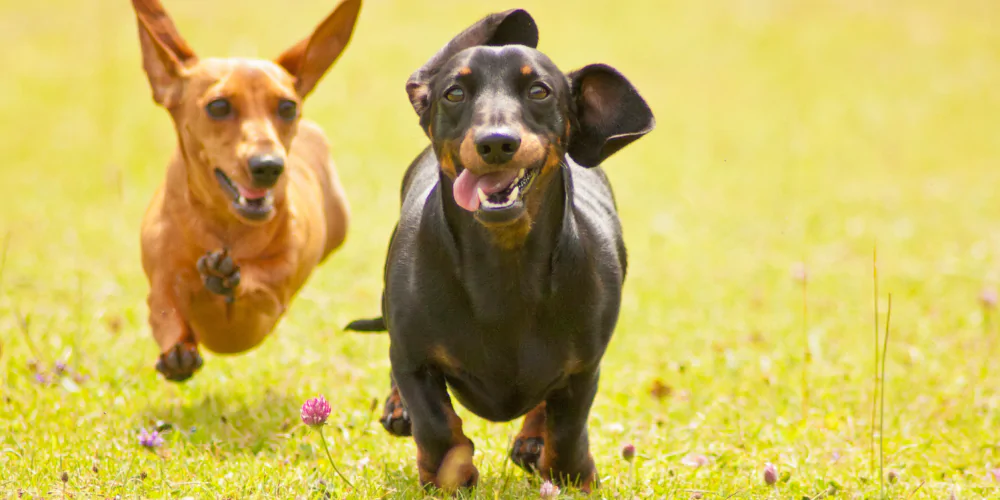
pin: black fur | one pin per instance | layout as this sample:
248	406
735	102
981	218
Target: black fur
523	325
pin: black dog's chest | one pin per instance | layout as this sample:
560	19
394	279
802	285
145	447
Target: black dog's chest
500	373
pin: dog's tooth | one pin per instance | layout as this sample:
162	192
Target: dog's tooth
482	196
513	194
269	199
242	200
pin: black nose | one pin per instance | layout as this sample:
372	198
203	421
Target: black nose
265	169
497	146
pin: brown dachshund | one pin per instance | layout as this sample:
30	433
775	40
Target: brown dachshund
251	203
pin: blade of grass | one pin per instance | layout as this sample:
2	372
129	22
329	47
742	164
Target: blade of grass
881	411
871	444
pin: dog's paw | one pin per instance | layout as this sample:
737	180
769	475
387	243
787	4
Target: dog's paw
395	418
526	452
179	362
219	273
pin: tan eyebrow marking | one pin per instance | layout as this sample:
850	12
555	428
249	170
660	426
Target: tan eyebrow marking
465	71
526	70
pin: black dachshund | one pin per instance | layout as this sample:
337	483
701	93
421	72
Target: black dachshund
504	274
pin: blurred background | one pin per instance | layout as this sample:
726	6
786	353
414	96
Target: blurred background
792	138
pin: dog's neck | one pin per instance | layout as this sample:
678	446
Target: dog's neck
520	268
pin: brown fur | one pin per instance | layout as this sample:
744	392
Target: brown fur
190	214
534	428
456	469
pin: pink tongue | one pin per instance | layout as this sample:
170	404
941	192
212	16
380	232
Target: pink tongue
467	184
250	193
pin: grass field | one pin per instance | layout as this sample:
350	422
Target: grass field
792	136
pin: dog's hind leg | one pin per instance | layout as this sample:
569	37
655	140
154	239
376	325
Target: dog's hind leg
395	417
444	453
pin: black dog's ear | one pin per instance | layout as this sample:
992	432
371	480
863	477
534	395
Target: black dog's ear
610	112
513	27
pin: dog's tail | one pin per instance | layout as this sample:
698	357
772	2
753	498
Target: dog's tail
367	325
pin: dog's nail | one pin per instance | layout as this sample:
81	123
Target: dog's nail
533	447
234	279
198	361
201	266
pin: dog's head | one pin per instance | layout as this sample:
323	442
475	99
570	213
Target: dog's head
236	118
501	116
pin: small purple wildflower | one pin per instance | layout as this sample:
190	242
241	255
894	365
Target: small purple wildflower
994	474
60	367
41	378
315	411
150	439
770	474
892	476
548	490
628	452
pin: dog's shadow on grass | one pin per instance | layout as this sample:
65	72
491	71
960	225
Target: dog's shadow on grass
261	425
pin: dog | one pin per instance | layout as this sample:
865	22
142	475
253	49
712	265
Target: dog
504	273
252	202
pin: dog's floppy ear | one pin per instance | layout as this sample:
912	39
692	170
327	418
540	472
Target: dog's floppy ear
165	54
609	111
512	27
309	59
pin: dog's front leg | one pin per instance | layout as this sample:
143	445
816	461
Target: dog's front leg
243	298
179	356
565	457
444	453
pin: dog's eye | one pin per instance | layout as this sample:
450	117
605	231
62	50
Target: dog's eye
455	94
219	109
287	110
538	92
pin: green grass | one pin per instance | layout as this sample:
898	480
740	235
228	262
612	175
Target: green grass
788	132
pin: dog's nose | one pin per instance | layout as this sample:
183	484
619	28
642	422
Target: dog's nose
265	169
497	145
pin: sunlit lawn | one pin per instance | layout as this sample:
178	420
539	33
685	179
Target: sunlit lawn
792	136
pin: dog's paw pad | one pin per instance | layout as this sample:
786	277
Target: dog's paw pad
180	362
395	418
526	452
219	273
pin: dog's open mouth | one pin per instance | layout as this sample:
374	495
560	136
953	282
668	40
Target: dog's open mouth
251	203
495	192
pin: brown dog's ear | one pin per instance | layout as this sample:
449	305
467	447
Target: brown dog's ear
164	53
309	59
513	27
609	111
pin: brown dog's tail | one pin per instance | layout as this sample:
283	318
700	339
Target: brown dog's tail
367	325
